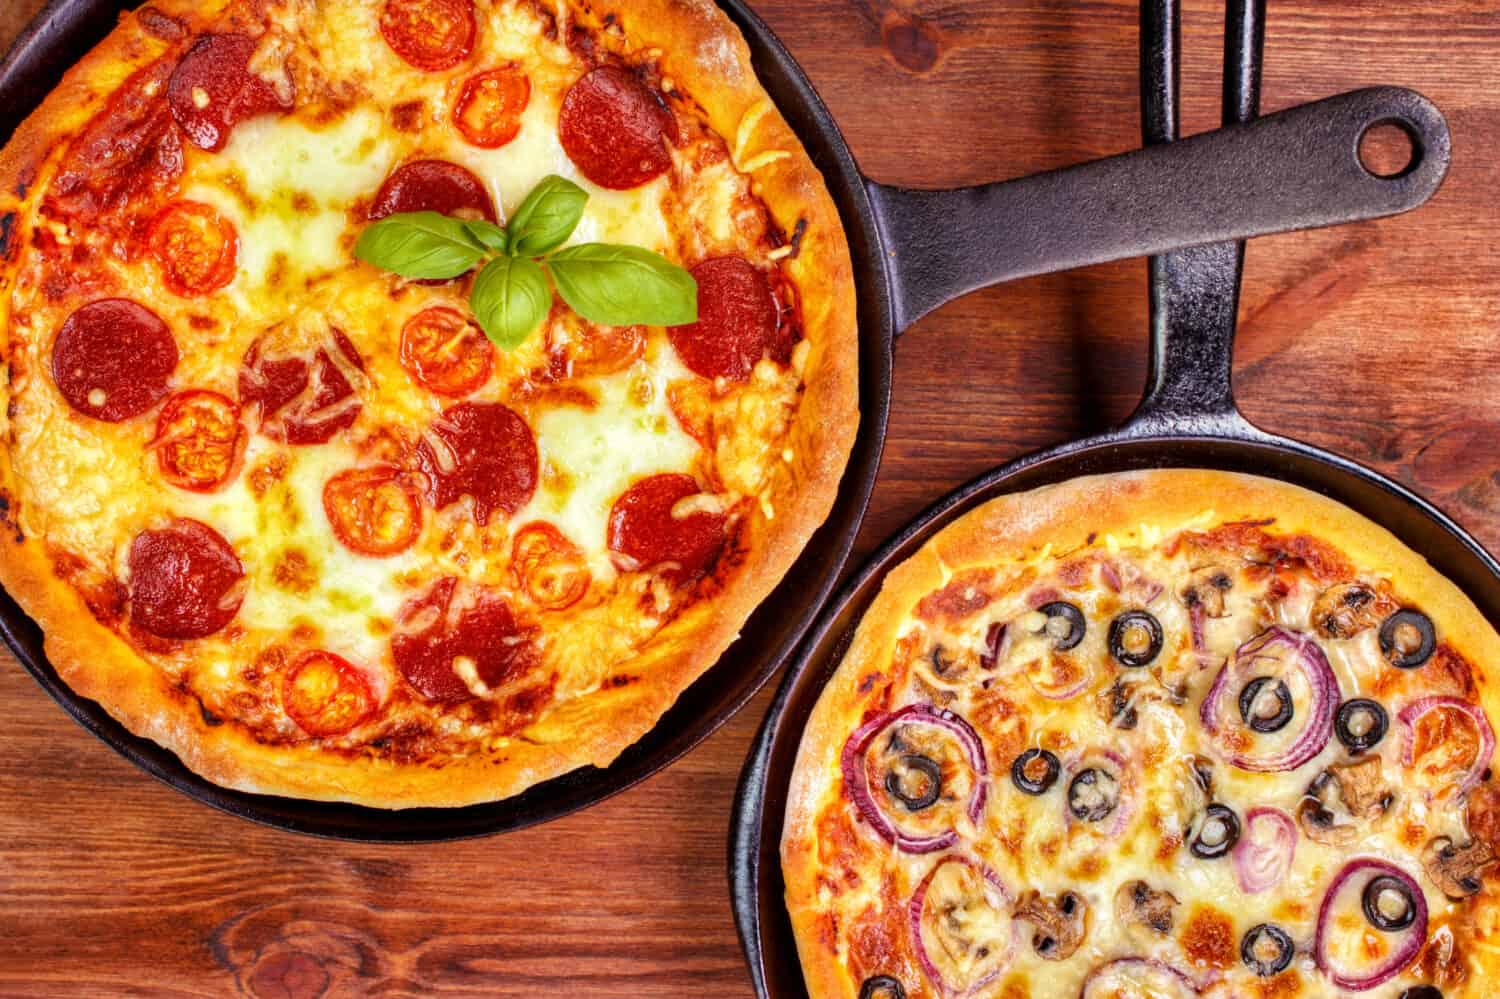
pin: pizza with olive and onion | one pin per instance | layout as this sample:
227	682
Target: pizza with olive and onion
1154	735
407	399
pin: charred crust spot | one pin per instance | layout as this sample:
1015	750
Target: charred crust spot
7	230
23	182
621	680
798	231
209	718
1090	539
161	25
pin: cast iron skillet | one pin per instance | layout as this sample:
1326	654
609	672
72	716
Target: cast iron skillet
913	251
1187	419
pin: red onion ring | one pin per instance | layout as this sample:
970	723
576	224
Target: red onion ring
1415	935
1260	866
1413	712
996	645
1161	970
1126	808
857	783
1321	682
914	913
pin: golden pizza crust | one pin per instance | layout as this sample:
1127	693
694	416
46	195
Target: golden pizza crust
1050	522
704	54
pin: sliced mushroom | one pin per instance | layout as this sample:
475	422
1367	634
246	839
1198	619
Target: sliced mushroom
1061	923
1206	588
1117	704
1318	821
1457	870
1138	904
1345	609
1363	788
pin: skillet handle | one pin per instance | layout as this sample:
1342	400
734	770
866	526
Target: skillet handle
1296	169
1195	293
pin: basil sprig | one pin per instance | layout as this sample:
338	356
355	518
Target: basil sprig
604	283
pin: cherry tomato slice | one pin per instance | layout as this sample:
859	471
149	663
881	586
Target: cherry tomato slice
549	567
605	350
373	511
197	248
325	695
488	112
199	440
444	352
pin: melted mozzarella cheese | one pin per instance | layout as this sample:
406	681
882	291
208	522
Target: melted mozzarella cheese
299	572
288	187
596	454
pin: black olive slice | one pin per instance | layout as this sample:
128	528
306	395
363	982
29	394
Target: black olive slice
1266	950
1388	904
1093	794
1421	992
1034	771
915	781
1407	638
1065	624
882	987
1360	724
1253	709
1217	833
1135	638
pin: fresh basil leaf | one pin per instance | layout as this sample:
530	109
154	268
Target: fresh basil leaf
624	285
488	234
422	245
547	217
510	299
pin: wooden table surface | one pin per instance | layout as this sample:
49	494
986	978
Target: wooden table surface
1376	340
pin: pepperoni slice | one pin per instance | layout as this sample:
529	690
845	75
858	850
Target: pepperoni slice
430	34
488	112
198	440
112	359
304	392
212	90
325	695
433	186
184	580
483	450
649	529
444	352
127	154
374	511
615	129
549	567
197	248
737	320
459	627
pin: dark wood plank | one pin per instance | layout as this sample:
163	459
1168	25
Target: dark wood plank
1375	340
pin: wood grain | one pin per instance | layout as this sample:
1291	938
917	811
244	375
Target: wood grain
1376	340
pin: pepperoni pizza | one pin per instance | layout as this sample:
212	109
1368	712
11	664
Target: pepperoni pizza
296	518
1157	735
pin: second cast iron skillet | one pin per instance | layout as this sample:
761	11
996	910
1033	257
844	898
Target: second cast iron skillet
912	252
1187	419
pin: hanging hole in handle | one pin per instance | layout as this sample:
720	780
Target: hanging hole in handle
1389	149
